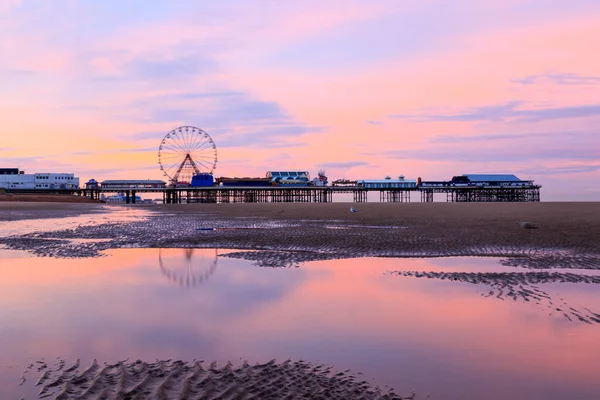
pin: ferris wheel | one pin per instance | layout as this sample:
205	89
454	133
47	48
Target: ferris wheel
186	151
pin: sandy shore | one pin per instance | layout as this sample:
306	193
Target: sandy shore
568	232
45	198
436	226
14	211
285	235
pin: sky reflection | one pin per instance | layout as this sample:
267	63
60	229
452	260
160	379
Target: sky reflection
435	337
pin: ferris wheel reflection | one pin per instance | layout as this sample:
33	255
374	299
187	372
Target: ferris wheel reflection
188	267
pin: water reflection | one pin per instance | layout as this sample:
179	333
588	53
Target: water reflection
195	268
102	216
436	337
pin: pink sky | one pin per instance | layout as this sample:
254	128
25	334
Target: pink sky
361	89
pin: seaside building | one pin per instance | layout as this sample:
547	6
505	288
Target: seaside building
388	183
504	180
123	184
289	178
481	181
10	171
14	179
92	184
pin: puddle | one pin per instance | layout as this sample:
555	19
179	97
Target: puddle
440	338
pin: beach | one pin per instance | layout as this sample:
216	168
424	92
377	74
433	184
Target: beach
541	269
410	229
44	198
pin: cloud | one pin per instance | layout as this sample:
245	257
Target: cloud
263	144
14	162
178	67
343	164
371	122
472	139
98	171
206	109
158	135
152	68
562	170
505	136
521	153
231	118
8	5
116	151
488	113
558	79
40	164
506	112
16	72
274	136
523	148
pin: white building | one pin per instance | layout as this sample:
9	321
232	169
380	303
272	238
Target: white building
41	181
388	183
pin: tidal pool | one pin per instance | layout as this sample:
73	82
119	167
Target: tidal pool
443	338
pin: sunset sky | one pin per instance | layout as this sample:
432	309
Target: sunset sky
363	89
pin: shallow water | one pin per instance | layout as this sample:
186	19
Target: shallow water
109	214
437	337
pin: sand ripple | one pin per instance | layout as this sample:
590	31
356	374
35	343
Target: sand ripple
198	380
280	259
522	286
297	241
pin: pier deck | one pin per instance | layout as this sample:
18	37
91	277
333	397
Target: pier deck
221	194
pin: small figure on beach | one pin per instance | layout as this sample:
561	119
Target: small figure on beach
352	209
528	225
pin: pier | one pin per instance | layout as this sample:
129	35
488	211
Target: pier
311	194
483	194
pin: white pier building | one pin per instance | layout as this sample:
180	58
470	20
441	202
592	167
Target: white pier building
13	178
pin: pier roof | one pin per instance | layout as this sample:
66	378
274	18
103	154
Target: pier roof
493	177
387	180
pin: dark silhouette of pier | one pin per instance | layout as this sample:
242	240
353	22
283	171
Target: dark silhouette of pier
311	194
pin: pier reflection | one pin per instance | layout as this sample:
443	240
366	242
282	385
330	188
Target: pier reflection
188	267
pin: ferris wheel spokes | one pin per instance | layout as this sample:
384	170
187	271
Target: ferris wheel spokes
186	151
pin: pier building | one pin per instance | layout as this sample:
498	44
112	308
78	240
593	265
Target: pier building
388	183
14	179
289	178
482	188
125	184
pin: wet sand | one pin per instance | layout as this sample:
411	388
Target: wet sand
437	226
45	198
286	235
568	234
17	210
199	380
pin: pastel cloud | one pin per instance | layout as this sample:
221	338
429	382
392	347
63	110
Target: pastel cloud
559	79
7	5
424	88
507	111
